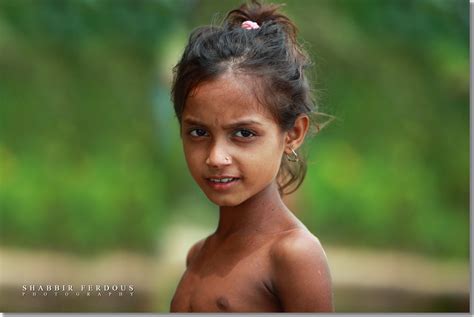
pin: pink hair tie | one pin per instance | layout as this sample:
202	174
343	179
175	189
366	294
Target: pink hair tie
249	25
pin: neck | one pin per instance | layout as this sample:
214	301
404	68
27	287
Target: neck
264	212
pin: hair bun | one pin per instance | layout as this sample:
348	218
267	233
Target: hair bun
261	13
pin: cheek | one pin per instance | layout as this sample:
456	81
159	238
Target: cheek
192	154
265	161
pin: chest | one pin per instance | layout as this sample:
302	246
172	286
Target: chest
226	282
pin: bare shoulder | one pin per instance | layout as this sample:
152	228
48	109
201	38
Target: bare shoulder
301	272
295	244
194	250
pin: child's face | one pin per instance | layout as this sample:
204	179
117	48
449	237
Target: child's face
226	133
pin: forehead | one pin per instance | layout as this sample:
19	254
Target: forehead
225	98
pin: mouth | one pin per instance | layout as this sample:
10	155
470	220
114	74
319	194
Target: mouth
222	182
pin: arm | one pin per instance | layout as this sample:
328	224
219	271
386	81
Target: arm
301	274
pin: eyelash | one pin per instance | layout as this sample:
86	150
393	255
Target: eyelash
193	132
247	131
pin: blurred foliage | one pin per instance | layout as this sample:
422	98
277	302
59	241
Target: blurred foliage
90	156
80	161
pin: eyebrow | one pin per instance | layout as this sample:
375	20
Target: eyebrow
191	121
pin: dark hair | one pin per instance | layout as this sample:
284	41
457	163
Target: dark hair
270	54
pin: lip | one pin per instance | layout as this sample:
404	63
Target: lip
222	186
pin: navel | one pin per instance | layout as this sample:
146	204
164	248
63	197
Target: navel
222	303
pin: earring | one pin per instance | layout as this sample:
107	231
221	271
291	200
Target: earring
293	157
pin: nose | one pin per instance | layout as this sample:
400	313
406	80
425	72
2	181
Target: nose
218	156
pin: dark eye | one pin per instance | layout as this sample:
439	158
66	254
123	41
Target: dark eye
198	132
244	133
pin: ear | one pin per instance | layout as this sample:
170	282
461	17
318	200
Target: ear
295	136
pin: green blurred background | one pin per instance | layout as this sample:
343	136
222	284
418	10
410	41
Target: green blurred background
91	160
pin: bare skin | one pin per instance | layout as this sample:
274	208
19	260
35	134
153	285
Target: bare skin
261	258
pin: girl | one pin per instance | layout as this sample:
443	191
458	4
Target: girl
244	107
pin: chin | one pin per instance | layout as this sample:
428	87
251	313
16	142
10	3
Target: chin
222	201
